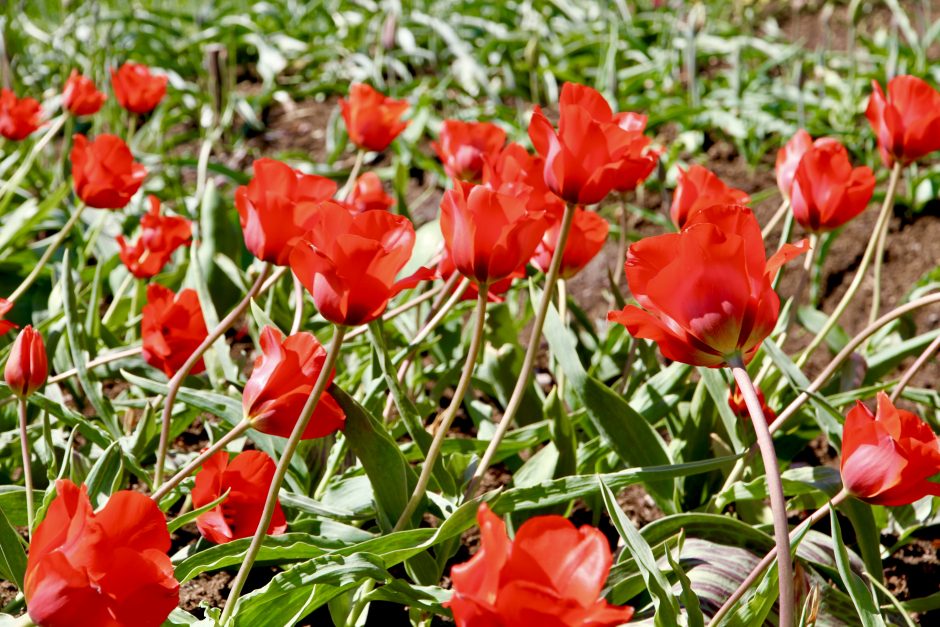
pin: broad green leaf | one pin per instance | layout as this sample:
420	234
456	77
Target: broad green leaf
12	554
188	517
862	596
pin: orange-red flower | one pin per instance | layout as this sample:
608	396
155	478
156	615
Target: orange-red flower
5	325
27	367
907	122
107	569
639	159
373	120
280	383
699	188
550	574
136	89
705	293
160	236
105	174
368	194
247	479
446	269
80	95
349	263
739	406
888	458
585	239
172	328
788	158
827	191
19	117
277	207
462	147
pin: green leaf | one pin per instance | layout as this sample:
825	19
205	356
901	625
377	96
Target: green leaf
12	554
106	475
718	391
862	596
867	535
179	521
690	600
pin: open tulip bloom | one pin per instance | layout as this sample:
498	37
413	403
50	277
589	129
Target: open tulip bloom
160	236
827	191
373	120
105	173
80	96
19	117
906	120
136	88
172	327
463	146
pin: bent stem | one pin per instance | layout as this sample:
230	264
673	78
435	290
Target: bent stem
446	418
173	387
27	470
282	466
298	306
778	504
777	217
353	174
922	359
100	361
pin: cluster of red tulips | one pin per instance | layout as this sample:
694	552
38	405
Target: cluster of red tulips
704	294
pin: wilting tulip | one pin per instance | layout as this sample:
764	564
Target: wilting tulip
446	269
172	328
738	405
551	573
827	191
277	207
699	188
105	174
462	146
585	239
108	569
705	292
247	479
369	195
907	122
27	367
160	236
281	382
373	120
5	325
889	458
136	89
80	95
19	117
349	262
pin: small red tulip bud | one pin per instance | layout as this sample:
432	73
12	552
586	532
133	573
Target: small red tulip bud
27	368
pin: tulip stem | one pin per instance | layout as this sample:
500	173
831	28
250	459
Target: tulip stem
883	218
27	469
621	242
528	363
100	361
563	314
353	174
115	301
6	192
922	359
283	465
778	504
882	239
446	418
298	305
777	217
176	382
50	249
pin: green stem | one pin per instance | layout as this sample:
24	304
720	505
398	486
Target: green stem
100	361
777	217
353	174
882	239
922	359
117	299
563	314
27	468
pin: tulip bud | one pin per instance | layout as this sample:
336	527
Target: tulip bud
26	368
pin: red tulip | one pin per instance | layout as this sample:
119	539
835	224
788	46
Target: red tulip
907	122
739	406
585	239
105	174
107	569
827	191
160	236
19	117
699	188
373	120
889	458
446	269
705	292
788	158
462	146
515	167
247	479
172	328
5	325
349	262
550	575
80	96
369	195
277	207
639	160
280	383
136	89
26	368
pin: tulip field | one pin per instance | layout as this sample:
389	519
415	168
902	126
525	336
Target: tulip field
526	313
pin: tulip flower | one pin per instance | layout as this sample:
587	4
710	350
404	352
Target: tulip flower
108	569
80	95
349	263
247	479
827	191
160	236
462	146
705	293
551	573
586	238
27	367
788	158
369	195
105	174
5	325
907	122
136	89
515	167
277	207
739	406
373	120
699	188
446	269
19	117
172	328
639	160
888	458
280	384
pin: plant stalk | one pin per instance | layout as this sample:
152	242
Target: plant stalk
27	468
882	242
922	359
100	361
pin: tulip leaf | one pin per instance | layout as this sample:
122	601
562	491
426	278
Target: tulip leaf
106	475
188	517
862	595
867	535
12	554
690	601
718	391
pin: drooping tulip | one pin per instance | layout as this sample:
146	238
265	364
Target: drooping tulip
698	188
586	238
136	88
907	121
19	117
27	367
5	325
373	120
105	173
172	328
462	147
827	191
368	194
160	236
80	96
